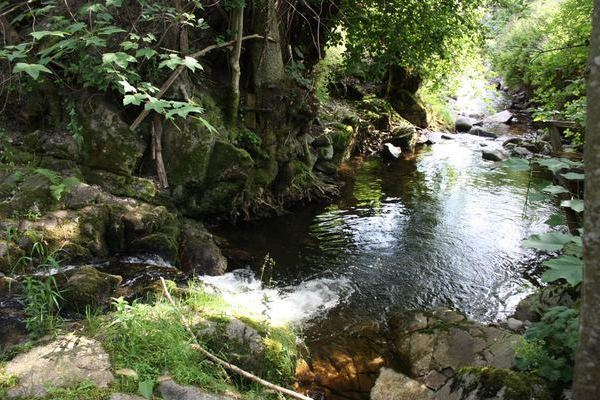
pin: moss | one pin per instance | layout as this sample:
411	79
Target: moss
122	185
89	287
160	244
6	381
489	381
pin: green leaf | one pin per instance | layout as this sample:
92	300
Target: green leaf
556	220
146	52
555	189
120	59
127	88
517	164
575	205
553	164
551	241
192	63
573	176
146	388
171	62
115	3
129	45
565	267
32	70
135	99
42	34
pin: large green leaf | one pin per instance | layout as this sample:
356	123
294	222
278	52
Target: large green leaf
42	34
573	176
554	189
556	220
551	241
575	205
32	70
553	164
565	267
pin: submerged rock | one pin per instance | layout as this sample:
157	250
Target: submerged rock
392	385
65	362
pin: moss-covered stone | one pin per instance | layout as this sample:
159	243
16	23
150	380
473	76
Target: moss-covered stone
498	383
33	194
161	244
198	251
122	185
108	142
88	287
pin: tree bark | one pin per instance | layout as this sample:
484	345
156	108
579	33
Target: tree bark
237	22
157	130
267	58
586	383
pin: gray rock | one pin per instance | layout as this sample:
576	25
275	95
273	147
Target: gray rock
169	390
477	131
435	380
503	117
444	340
533	306
89	287
321	141
392	385
513	140
122	396
514	324
390	151
463	124
65	362
521	152
198	251
494	154
447	137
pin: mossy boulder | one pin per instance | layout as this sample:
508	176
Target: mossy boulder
480	383
33	194
123	185
88	287
230	174
108	144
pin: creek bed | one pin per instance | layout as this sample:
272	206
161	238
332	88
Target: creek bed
443	229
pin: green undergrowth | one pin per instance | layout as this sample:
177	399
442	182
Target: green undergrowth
150	339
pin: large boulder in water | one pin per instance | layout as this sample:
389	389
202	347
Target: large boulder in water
198	251
477	131
494	154
463	124
445	341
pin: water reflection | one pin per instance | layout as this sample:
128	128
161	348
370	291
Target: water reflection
442	230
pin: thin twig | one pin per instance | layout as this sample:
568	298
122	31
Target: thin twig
163	89
225	364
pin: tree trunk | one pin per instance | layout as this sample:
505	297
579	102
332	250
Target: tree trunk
586	384
157	130
237	22
267	58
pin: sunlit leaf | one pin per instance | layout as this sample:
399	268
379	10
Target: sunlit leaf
32	70
565	267
551	241
573	176
575	205
555	189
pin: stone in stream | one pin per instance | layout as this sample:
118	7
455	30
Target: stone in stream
198	251
477	131
494	154
463	124
447	137
503	117
64	362
521	152
392	385
390	151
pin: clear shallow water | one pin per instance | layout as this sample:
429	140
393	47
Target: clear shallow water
444	229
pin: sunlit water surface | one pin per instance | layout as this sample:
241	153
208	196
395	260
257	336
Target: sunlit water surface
444	229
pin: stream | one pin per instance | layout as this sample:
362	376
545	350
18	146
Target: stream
441	229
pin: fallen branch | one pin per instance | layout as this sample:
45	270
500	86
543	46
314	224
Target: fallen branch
179	70
225	364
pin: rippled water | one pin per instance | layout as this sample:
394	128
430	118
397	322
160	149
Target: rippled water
444	229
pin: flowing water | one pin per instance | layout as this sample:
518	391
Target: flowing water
443	229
